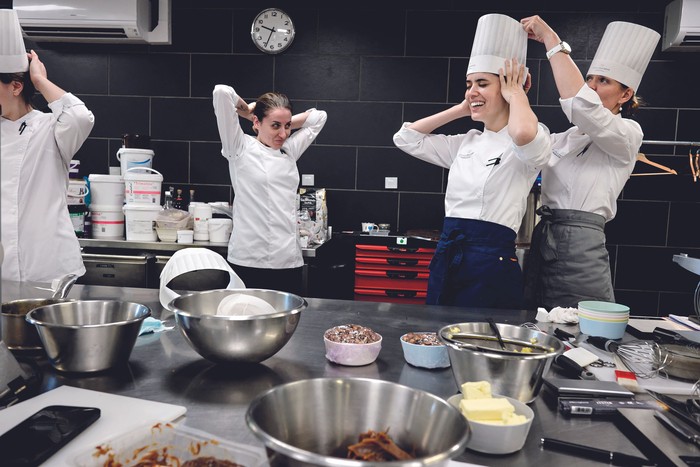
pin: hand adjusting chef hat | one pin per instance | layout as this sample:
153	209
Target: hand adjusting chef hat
624	53
498	38
13	55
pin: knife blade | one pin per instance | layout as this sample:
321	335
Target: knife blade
677	428
676	407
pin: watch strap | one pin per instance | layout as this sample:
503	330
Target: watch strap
560	47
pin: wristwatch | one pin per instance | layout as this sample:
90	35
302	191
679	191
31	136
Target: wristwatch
560	47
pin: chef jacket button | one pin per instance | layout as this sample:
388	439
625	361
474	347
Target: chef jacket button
500	258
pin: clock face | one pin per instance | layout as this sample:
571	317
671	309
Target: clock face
272	31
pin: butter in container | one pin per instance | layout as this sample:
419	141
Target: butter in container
169	445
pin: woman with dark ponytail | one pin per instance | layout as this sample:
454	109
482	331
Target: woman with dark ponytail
264	248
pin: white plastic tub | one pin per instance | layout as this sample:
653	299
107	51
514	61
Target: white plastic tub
107	221
77	191
138	159
142	187
141	222
220	230
107	190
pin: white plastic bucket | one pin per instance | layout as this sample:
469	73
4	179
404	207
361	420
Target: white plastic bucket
141	222
107	221
77	191
107	190
220	230
140	159
142	188
202	214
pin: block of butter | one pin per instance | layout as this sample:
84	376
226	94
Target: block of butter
486	409
476	390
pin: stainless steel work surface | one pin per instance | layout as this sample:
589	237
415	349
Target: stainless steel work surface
164	368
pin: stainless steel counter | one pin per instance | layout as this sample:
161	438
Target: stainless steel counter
164	368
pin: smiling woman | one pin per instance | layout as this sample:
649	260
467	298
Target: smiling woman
264	246
491	172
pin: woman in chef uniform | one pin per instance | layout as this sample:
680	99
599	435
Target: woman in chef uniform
590	164
264	247
491	172
36	147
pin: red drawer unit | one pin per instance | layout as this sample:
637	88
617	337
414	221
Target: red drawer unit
387	273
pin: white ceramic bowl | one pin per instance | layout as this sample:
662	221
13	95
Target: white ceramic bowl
425	356
352	354
498	439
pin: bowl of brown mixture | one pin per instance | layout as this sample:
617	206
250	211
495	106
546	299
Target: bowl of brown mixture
356	422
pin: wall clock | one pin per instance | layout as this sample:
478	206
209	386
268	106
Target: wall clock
272	31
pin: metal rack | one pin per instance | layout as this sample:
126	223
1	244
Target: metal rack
671	143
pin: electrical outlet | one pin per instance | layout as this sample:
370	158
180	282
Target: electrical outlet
391	183
307	179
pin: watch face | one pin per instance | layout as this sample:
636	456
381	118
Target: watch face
272	31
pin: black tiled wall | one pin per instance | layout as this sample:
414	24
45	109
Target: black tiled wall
371	67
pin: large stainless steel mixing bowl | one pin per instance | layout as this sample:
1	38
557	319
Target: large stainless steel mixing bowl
236	339
478	357
88	335
17	333
311	422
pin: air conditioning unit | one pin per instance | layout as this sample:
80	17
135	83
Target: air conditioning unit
122	21
681	26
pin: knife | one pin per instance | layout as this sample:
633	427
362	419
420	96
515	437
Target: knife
677	428
676	407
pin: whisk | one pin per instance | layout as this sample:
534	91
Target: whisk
645	359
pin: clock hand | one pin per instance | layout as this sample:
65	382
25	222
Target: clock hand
269	37
269	29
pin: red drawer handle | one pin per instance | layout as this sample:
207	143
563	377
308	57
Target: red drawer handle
401	274
401	293
402	262
403	249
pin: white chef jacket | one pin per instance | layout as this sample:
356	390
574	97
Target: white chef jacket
37	233
265	182
590	180
477	187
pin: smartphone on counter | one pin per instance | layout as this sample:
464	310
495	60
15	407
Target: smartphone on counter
38	437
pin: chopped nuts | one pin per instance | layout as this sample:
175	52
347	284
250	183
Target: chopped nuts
422	338
351	334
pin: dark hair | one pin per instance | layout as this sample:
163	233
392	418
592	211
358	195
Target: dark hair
269	101
23	77
629	108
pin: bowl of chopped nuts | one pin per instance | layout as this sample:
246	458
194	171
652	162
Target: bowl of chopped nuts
352	345
424	350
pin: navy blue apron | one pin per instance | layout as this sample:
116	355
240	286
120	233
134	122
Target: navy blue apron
475	266
567	261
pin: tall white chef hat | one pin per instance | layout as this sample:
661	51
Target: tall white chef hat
13	55
498	38
624	53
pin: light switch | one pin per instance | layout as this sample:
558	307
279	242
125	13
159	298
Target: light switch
307	179
391	183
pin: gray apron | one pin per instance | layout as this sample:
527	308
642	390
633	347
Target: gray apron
567	261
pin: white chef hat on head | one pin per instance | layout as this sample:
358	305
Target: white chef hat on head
624	53
498	38
13	55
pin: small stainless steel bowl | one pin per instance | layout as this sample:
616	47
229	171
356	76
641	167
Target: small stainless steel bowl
311	422
17	333
236	339
88	335
512	373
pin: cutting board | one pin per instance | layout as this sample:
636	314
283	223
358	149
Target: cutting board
119	415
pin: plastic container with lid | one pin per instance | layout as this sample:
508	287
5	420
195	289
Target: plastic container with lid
142	188
141	222
107	190
135	158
